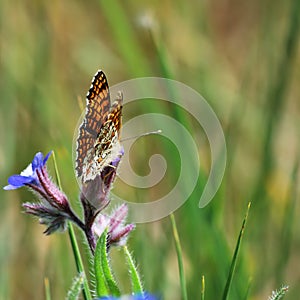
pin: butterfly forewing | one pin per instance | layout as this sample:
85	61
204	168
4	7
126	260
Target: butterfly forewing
97	108
98	143
98	103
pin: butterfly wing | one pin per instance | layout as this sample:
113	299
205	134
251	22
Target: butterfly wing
115	113
107	147
97	109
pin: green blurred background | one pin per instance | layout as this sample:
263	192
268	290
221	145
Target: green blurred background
241	56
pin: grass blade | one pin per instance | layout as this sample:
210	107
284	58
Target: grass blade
248	289
47	289
124	37
276	96
56	171
179	258
235	256
287	225
202	287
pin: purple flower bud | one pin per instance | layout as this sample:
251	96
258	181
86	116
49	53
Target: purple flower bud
55	221
94	196
117	231
96	191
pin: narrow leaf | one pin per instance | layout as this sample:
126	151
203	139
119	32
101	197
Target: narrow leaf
137	287
101	288
179	258
248	289
235	256
105	282
56	171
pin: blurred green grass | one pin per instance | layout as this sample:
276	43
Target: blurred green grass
239	55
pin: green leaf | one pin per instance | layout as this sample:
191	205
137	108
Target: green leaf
101	288
105	282
137	287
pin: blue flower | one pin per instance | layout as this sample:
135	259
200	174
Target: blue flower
144	296
29	175
53	209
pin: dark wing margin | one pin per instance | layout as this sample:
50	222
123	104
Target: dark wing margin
97	109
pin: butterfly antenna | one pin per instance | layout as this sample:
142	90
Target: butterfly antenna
143	134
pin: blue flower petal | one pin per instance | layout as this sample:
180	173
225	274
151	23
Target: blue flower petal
19	180
28	175
144	296
118	158
10	187
37	161
46	157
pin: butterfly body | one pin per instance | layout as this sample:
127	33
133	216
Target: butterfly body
98	143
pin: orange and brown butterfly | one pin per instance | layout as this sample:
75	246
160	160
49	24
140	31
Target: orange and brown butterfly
98	142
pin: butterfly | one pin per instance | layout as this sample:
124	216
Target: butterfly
98	142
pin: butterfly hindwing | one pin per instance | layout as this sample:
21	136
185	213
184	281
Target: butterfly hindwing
107	146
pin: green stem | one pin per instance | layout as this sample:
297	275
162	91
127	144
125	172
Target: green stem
202	287
56	171
79	265
179	258
47	289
